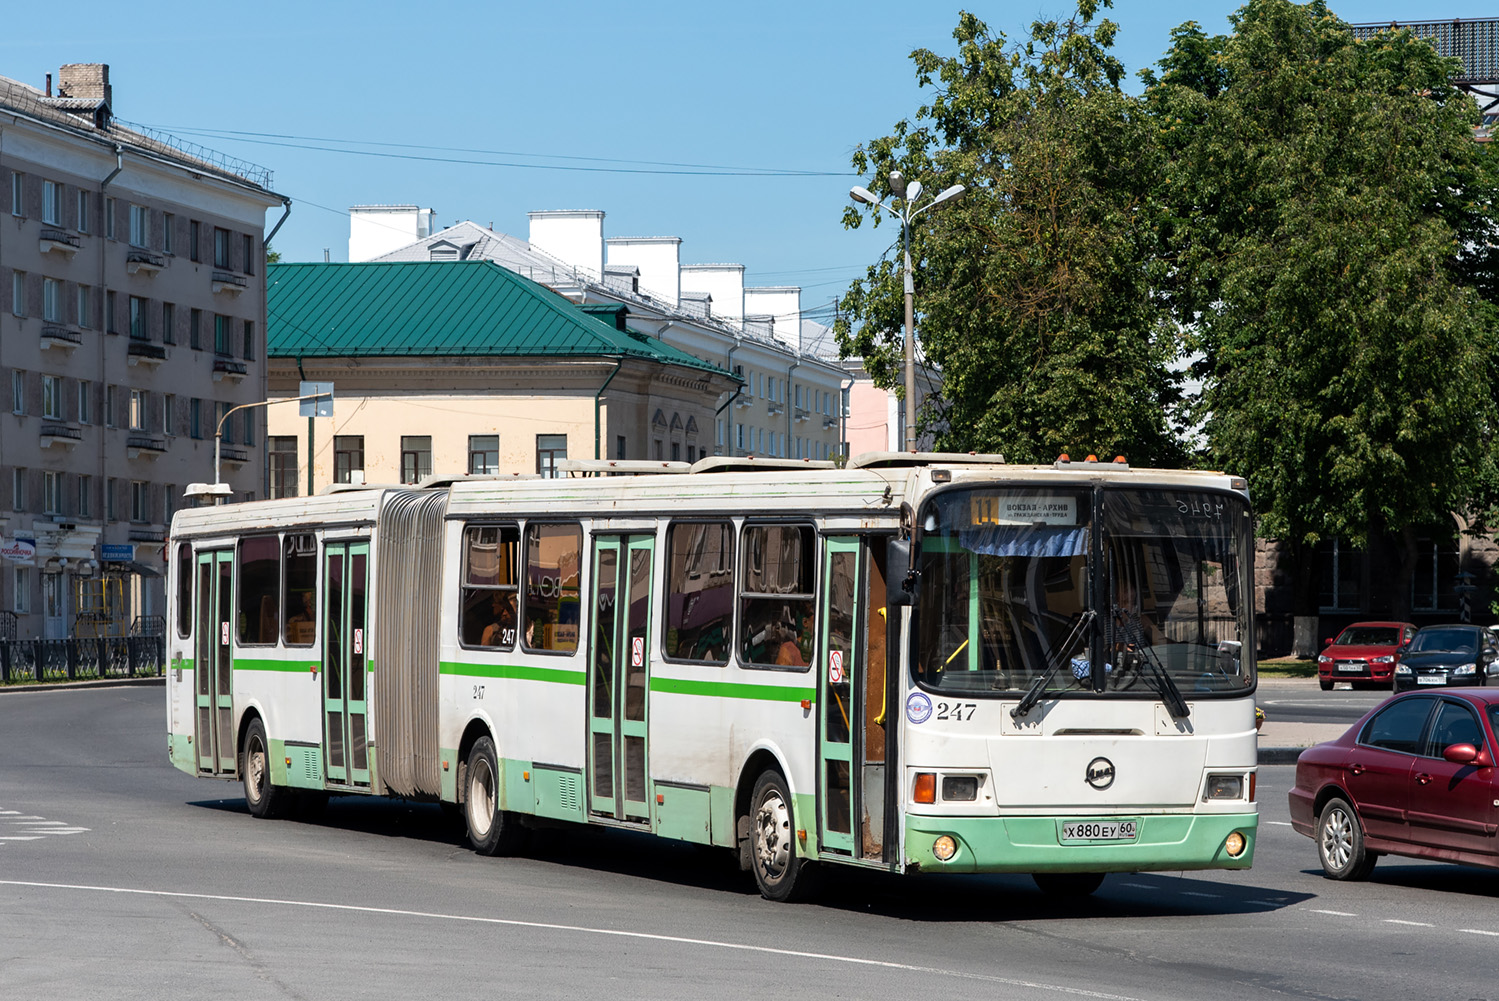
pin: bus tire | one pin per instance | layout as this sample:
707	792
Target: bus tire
1340	842
264	799
1067	884
491	831
780	874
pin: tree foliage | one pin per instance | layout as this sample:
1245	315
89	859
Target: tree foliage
1035	292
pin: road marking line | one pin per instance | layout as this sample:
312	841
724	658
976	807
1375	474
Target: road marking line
40	823
1340	914
1418	924
1189	893
583	930
20	837
1478	931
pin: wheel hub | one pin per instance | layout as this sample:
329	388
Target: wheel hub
773	837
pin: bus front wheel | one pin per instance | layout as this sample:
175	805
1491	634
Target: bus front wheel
263	799
491	831
781	875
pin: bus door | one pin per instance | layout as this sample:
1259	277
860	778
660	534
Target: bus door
345	720
852	682
619	658
213	663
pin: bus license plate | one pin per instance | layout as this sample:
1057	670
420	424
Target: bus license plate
1099	830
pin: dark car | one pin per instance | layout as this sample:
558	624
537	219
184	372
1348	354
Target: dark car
1457	654
1414	777
1364	652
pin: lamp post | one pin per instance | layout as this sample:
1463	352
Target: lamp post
908	193
218	489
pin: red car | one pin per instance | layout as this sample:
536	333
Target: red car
1414	777
1365	651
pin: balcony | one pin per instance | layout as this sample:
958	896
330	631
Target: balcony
828	423
59	241
147	446
54	336
55	435
228	281
144	262
775	409
148	534
802	415
228	368
234	454
143	352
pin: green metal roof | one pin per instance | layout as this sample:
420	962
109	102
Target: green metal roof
424	308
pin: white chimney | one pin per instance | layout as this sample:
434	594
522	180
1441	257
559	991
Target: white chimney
724	282
573	236
659	259
376	230
784	304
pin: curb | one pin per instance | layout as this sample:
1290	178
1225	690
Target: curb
66	685
1279	755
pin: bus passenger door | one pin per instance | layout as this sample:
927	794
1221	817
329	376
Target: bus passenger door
212	663
851	686
619	658
345	721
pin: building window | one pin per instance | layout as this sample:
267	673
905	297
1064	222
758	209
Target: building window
168	413
17	391
249	338
18	194
221	426
195	418
619	447
483	453
1341	569
18	489
194	239
348	458
18	293
85	318
109	218
221	334
249	251
138	401
138	326
739	437
195	329
51	300
140	506
83	207
168	497
85	402
283	448
20	601
85	495
1435	575
51	492
221	248
550	448
110	309
52	203
168	223
140	226
52	397
416	457
249	426
109	406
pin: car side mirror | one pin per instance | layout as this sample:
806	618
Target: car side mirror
1327	642
1402	649
1460	754
901	582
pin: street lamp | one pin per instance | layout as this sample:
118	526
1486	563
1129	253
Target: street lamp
908	193
218	489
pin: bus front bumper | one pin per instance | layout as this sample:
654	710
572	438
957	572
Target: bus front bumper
1034	844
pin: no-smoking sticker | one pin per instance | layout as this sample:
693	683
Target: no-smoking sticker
835	667
637	651
359	641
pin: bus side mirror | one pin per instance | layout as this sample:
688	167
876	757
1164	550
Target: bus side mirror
901	581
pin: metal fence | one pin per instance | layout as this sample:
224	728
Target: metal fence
82	659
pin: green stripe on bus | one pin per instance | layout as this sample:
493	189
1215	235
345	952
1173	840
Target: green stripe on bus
302	666
732	690
556	676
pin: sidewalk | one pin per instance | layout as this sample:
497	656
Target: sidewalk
1282	743
55	686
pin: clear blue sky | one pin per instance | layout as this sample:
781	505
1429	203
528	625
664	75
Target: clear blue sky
523	87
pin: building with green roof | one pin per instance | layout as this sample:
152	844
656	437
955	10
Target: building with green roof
452	367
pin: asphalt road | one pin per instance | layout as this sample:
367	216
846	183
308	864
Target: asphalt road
1300	700
122	878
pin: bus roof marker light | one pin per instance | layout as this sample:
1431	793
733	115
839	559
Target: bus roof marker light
1121	460
1091	458
1064	457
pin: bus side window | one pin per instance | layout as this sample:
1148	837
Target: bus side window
184	590
258	584
776	620
553	557
299	591
699	591
488	612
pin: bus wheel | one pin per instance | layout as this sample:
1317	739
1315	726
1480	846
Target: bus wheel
1068	884
780	874
491	831
263	799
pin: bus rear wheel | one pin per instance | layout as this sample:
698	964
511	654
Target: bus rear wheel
263	798
1068	884
781	875
491	831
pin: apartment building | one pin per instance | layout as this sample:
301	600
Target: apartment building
132	318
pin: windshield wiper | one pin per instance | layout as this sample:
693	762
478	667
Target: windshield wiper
1170	694
1059	655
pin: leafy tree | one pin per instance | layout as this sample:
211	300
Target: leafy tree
1036	291
1328	218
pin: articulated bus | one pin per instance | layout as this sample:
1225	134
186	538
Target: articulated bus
922	662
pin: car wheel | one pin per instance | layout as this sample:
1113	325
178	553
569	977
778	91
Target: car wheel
1326	684
1340	842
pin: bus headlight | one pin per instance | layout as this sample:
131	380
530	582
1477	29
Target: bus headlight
1224	787
945	848
1234	844
960	788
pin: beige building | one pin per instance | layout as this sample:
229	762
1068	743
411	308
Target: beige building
132	314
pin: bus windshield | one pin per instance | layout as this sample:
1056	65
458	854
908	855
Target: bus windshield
1158	578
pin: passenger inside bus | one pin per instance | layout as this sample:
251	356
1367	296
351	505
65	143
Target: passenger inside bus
500	631
299	628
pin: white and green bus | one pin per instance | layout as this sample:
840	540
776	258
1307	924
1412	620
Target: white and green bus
921	662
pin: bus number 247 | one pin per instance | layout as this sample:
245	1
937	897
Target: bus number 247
958	711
